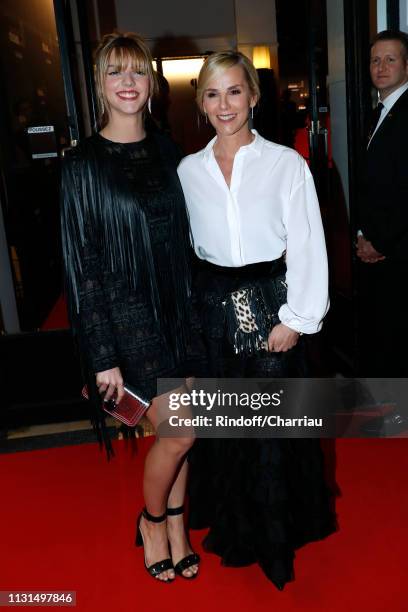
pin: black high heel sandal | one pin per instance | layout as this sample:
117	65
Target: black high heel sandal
191	559
161	566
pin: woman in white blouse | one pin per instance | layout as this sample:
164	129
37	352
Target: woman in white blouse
257	234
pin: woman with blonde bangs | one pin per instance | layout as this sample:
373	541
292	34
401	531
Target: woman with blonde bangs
262	283
126	256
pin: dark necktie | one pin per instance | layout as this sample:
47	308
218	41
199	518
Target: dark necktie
375	118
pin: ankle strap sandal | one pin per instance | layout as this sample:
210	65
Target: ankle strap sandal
161	566
175	511
191	559
152	518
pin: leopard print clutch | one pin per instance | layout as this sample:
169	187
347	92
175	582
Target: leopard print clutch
251	312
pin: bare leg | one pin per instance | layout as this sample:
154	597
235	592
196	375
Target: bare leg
162	463
180	546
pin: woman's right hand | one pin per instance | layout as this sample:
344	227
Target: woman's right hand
109	382
282	338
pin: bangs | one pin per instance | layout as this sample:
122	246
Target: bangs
121	52
123	56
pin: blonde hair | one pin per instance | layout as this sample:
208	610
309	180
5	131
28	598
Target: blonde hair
122	49
219	62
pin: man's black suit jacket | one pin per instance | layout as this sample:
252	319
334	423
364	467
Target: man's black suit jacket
383	214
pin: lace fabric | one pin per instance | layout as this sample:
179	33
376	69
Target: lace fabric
261	498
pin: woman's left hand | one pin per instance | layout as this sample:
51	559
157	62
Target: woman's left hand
282	338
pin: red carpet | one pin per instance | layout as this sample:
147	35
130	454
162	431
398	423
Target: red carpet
67	523
58	316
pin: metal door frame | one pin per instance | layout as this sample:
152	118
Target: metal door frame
63	21
8	305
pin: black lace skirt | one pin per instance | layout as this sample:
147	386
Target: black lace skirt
261	498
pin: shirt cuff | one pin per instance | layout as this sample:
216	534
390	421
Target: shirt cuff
299	324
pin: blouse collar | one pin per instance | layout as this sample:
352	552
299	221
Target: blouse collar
254	147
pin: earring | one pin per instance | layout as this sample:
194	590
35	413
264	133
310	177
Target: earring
206	117
252	112
149	105
102	107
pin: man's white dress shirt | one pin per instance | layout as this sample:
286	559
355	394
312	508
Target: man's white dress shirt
270	208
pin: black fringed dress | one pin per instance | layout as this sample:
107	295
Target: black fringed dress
127	262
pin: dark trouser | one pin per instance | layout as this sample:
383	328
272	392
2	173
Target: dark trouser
382	324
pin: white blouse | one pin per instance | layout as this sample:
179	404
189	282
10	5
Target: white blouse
270	208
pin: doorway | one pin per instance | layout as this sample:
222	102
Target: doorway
35	127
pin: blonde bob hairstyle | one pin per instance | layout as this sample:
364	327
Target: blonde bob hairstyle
217	63
120	50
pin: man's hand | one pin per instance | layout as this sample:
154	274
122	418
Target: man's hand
366	252
282	338
110	382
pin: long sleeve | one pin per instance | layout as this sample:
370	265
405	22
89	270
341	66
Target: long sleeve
386	224
306	258
390	236
384	185
87	302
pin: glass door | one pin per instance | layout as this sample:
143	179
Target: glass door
318	120
37	121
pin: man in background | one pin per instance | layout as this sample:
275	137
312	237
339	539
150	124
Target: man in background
382	244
